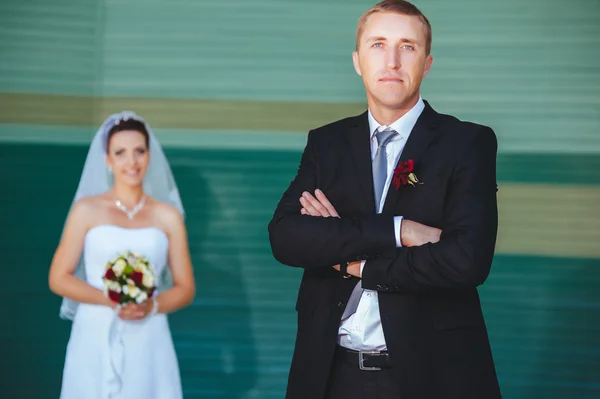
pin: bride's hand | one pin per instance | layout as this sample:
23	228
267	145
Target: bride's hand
134	311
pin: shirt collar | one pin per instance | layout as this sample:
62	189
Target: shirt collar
402	125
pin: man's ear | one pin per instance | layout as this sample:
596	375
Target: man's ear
428	62
355	62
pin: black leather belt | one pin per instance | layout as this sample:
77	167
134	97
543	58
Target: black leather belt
365	360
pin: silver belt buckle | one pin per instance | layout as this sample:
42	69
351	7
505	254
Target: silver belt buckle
361	360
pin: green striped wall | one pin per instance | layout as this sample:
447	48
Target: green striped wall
231	88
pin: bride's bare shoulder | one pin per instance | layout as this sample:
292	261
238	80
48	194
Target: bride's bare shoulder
89	207
166	214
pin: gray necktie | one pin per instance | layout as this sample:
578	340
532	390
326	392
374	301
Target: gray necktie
379	179
380	163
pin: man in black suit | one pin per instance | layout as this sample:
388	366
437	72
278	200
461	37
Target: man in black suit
393	218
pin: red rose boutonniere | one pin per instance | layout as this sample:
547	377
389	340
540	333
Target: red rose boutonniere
403	174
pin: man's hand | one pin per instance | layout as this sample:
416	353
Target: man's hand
319	206
353	268
414	234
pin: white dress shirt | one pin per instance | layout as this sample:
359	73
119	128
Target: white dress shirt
362	330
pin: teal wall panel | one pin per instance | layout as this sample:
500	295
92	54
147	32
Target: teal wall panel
542	315
237	337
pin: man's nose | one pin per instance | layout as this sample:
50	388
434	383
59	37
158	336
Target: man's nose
393	59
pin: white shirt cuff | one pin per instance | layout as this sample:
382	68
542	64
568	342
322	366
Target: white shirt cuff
362	266
397	230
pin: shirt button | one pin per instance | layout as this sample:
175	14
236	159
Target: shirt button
340	304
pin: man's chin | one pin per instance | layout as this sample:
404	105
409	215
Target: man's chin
404	102
396	103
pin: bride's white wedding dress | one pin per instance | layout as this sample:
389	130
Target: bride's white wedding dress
108	357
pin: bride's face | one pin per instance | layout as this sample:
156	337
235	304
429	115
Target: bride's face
128	157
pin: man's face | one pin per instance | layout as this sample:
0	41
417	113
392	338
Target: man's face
392	59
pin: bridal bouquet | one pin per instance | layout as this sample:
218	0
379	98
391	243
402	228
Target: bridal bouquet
129	278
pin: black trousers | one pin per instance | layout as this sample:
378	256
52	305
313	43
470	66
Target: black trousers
348	381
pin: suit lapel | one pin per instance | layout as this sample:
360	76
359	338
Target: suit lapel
420	137
360	149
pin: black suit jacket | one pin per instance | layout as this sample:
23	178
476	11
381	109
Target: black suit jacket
429	304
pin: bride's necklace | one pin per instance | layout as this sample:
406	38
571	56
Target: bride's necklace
131	213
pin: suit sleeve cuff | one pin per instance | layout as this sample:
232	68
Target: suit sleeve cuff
397	231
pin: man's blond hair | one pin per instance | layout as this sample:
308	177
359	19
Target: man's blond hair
400	7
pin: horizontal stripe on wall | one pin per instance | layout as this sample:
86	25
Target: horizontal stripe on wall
48	109
525	130
548	220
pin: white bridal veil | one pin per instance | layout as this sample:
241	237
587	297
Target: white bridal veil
159	183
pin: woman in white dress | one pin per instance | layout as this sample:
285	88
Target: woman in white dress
127	200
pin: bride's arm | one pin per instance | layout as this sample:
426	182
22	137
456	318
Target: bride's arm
184	288
61	279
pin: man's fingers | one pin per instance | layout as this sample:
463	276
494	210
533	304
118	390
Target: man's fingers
415	234
354	269
310	210
435	235
314	204
323	200
319	206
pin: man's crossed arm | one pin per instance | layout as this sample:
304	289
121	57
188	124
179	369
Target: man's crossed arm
411	233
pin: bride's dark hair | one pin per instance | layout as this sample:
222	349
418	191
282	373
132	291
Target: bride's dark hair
128	124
